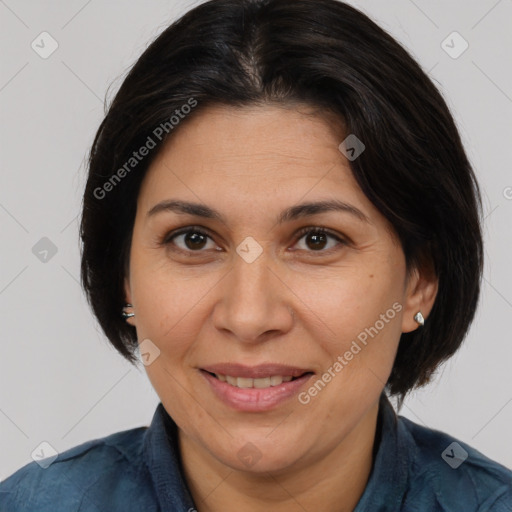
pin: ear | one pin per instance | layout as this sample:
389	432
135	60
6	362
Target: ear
128	299
421	291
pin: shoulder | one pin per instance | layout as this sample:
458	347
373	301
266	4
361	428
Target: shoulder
453	476
85	477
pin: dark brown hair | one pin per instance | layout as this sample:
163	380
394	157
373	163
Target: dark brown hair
331	56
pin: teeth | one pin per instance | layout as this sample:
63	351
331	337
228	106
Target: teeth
275	381
243	382
232	380
262	383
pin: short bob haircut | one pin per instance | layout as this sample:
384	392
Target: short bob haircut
327	55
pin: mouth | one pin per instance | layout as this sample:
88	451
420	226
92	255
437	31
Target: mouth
258	383
256	388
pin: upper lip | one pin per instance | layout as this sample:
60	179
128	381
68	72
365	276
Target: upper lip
255	372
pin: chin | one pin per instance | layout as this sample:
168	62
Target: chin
259	455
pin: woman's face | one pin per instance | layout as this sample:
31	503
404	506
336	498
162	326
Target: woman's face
258	296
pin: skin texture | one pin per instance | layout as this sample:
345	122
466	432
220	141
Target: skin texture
298	304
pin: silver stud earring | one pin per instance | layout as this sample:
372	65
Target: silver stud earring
418	317
125	314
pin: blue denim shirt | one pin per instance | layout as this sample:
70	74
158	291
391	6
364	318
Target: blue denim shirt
415	469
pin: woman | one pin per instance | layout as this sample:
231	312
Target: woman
281	219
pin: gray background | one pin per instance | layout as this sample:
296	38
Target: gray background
60	381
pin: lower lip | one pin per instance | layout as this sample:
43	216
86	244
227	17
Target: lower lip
255	399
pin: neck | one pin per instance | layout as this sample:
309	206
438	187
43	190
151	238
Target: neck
331	482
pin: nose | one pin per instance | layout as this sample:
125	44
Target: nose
254	303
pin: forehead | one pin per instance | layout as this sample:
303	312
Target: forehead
256	150
290	131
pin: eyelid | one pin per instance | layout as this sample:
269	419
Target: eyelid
343	240
186	229
320	229
169	236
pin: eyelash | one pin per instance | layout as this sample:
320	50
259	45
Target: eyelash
167	240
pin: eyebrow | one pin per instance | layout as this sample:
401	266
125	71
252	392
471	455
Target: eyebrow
287	215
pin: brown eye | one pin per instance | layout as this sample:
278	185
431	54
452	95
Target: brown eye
194	240
190	239
316	239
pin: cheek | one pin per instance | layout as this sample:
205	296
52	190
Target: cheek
164	304
349	300
360	326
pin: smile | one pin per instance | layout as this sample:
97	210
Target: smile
257	388
261	383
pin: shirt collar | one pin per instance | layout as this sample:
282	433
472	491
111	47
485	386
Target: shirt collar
384	491
164	463
387	483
